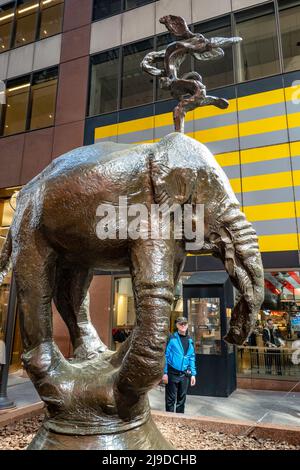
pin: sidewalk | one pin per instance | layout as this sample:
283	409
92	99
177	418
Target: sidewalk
281	408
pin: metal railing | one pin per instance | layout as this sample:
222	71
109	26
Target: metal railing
265	362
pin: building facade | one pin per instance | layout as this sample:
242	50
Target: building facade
71	76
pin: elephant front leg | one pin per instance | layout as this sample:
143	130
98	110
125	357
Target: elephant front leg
152	269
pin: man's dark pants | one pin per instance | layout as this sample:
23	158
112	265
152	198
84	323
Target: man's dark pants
176	390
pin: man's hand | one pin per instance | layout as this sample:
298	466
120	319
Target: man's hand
165	379
193	381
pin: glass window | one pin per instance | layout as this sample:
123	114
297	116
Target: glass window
26	20
137	86
51	17
124	311
136	3
7	13
216	73
17	95
289	15
43	98
104	82
257	54
204	325
282	306
103	8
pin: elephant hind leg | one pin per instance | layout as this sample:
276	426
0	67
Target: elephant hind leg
34	271
71	298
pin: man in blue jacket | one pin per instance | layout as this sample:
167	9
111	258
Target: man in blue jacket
179	367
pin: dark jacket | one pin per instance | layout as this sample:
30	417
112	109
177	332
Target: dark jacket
267	337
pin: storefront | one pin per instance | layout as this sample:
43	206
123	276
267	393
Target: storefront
282	305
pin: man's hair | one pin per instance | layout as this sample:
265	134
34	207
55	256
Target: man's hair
269	319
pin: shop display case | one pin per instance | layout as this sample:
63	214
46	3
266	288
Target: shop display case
207	303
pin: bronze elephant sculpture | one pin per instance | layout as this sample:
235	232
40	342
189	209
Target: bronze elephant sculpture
54	248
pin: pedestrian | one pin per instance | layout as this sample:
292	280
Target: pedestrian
180	370
273	341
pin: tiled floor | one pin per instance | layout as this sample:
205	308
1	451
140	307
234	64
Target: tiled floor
243	405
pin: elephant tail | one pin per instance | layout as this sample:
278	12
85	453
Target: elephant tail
5	257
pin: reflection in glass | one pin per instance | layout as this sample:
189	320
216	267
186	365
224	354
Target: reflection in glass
204	324
103	8
289	16
137	87
6	21
51	17
104	82
136	3
43	97
26	20
219	72
257	54
17	95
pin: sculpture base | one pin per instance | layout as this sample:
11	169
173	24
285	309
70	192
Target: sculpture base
145	437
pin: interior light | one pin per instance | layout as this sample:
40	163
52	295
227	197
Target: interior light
19	87
45	2
7	16
31	7
45	32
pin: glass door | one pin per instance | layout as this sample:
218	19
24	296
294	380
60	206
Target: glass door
205	325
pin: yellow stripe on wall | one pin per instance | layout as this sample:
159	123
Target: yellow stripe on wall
262	126
228	159
166	119
283	210
217	133
269	181
136	125
212	111
261	154
261	99
236	185
106	131
295	149
291	93
293	120
296	176
288	242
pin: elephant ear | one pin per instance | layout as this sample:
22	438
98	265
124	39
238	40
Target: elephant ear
171	184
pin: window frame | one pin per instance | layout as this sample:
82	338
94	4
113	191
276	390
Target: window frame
29	104
37	27
274	5
122	10
216	19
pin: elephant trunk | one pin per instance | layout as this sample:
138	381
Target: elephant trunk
239	251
